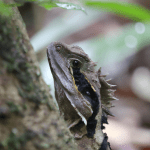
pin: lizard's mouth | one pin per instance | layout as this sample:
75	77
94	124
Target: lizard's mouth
90	95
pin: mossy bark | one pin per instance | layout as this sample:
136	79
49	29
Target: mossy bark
29	119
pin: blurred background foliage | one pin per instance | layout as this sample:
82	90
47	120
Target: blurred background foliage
115	34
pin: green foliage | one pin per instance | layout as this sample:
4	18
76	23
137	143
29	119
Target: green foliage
4	9
48	5
64	5
129	10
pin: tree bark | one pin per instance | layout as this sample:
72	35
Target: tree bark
29	119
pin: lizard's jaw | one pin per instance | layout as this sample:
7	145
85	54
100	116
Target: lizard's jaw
90	95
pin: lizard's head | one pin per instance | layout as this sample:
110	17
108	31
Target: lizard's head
78	91
76	80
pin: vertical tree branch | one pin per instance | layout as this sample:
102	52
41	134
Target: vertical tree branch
28	116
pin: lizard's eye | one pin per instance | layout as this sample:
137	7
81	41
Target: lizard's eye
76	64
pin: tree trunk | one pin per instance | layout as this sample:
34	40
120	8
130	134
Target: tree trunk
29	119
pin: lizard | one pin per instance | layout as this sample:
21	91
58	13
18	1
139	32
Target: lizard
83	95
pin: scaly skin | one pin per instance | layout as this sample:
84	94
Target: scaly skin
82	94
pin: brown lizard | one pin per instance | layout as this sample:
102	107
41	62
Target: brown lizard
83	95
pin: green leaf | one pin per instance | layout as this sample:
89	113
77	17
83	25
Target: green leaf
70	6
129	10
65	5
47	5
4	9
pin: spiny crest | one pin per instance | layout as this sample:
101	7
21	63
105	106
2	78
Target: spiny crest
107	94
94	64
